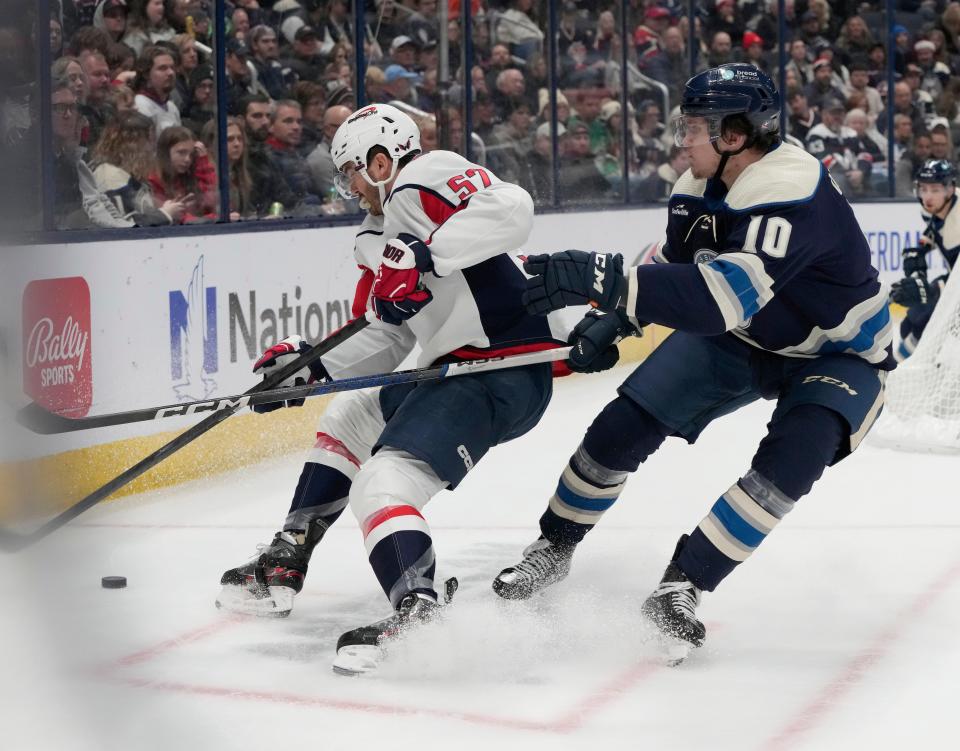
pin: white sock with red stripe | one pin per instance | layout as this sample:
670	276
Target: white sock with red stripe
387	496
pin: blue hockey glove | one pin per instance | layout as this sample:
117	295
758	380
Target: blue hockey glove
574	277
914	261
398	291
279	355
595	339
911	291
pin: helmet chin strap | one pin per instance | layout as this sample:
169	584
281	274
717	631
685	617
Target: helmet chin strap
725	155
380	185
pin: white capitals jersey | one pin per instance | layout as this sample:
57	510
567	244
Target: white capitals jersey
473	223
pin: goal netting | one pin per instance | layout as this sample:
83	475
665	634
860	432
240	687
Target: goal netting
922	410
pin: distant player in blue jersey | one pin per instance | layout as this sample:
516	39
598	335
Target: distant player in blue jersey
937	192
766	278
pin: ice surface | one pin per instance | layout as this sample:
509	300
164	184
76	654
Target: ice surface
839	633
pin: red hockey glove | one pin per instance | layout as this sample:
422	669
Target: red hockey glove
398	292
279	355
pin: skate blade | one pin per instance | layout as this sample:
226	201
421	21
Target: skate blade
674	651
357	660
236	599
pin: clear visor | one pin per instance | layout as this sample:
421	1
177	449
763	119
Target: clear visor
342	182
695	130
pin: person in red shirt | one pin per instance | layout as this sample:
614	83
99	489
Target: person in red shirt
185	172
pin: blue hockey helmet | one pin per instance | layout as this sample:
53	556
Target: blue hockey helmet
937	171
732	89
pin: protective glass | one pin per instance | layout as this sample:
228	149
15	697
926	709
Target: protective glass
695	130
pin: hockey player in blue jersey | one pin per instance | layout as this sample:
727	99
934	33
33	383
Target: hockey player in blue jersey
766	278
937	192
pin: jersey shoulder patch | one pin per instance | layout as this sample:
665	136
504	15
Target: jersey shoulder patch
787	175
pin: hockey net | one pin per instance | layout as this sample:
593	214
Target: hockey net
922	409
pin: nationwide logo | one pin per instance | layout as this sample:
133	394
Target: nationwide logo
57	361
193	338
251	327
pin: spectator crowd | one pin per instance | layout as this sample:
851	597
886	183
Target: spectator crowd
133	102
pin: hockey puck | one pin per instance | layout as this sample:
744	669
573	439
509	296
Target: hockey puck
113	582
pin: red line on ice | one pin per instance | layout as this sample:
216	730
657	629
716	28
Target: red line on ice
197	634
854	671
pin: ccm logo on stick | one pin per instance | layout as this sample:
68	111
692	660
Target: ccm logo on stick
214	405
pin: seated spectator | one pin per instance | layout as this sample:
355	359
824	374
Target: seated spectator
721	49
580	180
319	161
905	104
517	28
187	61
338	26
240	21
56	37
202	105
241	206
123	160
427	91
869	144
305	59
339	92
860	82
111	16
155	81
428	133
511	143
909	161
286	128
725	18
313	103
752	51
537	177
509	89
822	86
240	80
934	75
184	173
485	116
855	40
837	146
802	116
96	106
121	99
941	143
403	52
146	25
374	79
77	203
398	84
651	151
265	54
658	185
424	25
578	71
570	30
670	64
68	71
810	31
646	37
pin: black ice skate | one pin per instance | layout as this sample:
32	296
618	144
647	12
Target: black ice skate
671	608
543	564
362	649
266	585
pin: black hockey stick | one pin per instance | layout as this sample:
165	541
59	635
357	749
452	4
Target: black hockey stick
12	541
40	421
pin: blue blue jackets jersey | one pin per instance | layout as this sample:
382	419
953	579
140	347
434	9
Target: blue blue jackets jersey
778	261
944	234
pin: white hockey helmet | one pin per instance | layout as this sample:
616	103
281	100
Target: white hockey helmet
373	125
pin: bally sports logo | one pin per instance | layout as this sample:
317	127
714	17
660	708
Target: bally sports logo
57	370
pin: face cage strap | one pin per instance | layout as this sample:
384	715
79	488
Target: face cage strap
725	155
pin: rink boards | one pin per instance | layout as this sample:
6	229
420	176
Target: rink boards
107	326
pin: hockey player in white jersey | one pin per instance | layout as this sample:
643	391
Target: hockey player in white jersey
936	189
435	272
